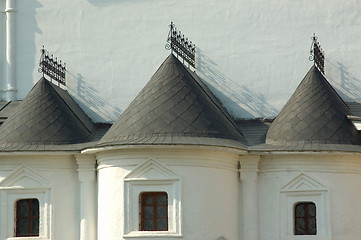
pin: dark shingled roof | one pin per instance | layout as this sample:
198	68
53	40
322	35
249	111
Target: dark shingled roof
175	107
314	115
47	116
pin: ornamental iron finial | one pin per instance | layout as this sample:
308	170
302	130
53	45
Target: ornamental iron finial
180	45
317	54
52	67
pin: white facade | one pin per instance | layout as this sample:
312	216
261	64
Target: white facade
209	198
252	54
53	180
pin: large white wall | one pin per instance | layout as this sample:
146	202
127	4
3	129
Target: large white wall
254	53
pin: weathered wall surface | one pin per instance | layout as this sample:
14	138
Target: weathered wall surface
254	53
53	180
330	181
206	188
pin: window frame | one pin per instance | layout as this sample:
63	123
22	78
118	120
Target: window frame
306	217
29	217
13	188
161	179
155	205
298	190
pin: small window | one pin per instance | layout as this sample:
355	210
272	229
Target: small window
305	219
153	211
27	218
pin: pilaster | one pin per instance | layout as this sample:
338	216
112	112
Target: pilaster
88	207
249	197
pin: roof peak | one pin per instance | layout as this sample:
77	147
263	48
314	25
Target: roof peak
175	104
314	113
46	116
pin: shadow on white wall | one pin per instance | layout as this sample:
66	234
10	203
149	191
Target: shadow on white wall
240	101
88	99
347	85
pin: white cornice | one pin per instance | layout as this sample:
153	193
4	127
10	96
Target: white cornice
196	147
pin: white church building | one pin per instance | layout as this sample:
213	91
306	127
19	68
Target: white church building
240	137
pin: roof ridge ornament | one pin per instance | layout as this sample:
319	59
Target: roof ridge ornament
181	45
317	54
52	67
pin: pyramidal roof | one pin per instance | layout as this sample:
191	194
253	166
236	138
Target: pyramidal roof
315	114
174	108
47	116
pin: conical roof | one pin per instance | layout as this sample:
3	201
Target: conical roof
174	108
315	114
47	116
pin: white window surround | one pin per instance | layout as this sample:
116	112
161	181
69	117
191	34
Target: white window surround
304	188
152	176
24	183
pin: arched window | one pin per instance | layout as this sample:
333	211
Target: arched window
27	217
305	218
153	211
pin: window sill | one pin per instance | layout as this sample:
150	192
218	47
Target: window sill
152	234
306	237
27	238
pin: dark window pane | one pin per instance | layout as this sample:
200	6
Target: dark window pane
162	212
148	225
22	227
35	227
153	211
148	200
311	210
300	210
162	200
148	212
162	224
300	226
23	208
35	207
27	218
312	226
305	219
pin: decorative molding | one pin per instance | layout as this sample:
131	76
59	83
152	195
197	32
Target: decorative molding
152	176
304	188
24	182
303	183
151	170
25	177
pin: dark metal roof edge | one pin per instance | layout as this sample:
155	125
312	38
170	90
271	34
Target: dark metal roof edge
65	102
214	100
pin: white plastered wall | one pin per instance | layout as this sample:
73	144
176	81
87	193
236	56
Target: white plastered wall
59	191
207	183
332	183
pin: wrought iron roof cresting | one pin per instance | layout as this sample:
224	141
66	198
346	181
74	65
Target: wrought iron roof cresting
181	46
317	54
52	67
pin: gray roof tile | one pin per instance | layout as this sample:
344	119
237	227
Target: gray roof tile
47	116
175	107
314	114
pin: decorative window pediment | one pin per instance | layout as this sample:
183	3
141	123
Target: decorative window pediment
304	189
24	177
303	182
25	183
151	170
148	177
